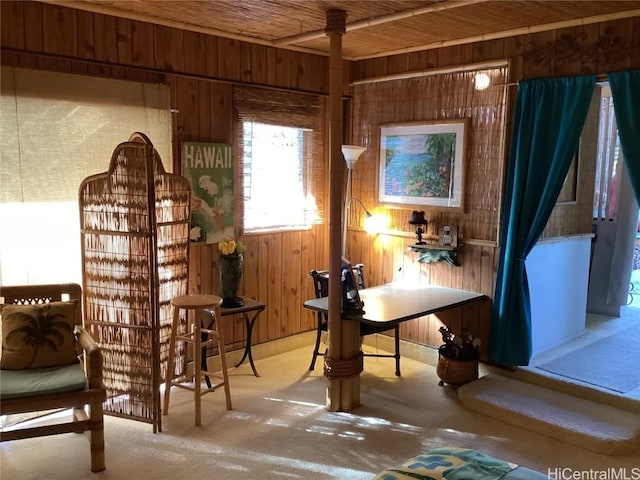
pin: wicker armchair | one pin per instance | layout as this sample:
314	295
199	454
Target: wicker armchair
85	394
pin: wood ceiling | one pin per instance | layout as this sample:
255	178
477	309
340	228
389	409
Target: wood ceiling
375	28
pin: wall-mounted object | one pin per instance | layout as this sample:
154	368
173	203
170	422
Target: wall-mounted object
481	81
423	163
448	235
433	253
134	222
209	169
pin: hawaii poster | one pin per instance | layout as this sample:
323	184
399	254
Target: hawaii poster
209	169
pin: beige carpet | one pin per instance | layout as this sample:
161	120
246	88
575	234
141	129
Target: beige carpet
280	429
580	421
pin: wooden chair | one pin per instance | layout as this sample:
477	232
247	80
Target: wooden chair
85	400
321	288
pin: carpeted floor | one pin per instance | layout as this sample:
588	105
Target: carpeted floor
280	429
621	374
569	417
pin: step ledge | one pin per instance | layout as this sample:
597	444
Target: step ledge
592	425
570	386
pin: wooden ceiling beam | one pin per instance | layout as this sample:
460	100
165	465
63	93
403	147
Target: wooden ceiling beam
373	21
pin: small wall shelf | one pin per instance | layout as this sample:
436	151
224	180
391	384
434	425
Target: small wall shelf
432	253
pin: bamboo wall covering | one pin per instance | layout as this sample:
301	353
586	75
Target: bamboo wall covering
134	222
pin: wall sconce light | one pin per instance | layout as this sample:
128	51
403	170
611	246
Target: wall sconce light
482	81
417	218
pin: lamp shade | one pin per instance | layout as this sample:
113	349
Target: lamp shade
351	153
417	218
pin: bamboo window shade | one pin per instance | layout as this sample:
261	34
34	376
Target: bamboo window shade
48	123
288	109
134	222
40	109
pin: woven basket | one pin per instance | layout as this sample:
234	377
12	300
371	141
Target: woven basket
456	372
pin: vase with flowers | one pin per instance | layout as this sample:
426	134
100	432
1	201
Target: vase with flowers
458	358
231	265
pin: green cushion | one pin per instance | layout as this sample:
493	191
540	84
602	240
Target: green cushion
41	381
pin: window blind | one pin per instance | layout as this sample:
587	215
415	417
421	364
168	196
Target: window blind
287	109
55	130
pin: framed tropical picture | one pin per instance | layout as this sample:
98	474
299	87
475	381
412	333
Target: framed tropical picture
423	163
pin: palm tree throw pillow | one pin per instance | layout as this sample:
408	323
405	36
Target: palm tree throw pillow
38	336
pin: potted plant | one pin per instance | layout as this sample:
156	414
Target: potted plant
458	358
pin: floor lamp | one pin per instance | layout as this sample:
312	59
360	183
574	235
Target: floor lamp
351	153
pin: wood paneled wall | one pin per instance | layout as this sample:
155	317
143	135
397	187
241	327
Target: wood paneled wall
201	69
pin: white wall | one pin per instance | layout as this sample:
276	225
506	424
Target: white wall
558	272
613	252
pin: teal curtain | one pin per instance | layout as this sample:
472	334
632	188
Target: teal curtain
625	88
549	117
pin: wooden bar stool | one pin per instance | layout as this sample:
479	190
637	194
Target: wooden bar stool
216	334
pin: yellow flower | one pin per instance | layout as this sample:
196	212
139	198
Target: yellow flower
228	247
231	247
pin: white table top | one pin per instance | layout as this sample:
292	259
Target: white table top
396	303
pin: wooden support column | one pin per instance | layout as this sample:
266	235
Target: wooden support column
343	360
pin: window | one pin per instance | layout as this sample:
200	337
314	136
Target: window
274	180
280	145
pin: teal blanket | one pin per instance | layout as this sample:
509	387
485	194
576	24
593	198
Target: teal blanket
451	464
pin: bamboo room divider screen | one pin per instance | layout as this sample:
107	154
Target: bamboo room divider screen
134	222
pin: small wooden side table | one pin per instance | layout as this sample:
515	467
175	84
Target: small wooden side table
250	312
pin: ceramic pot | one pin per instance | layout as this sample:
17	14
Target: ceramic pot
230	277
